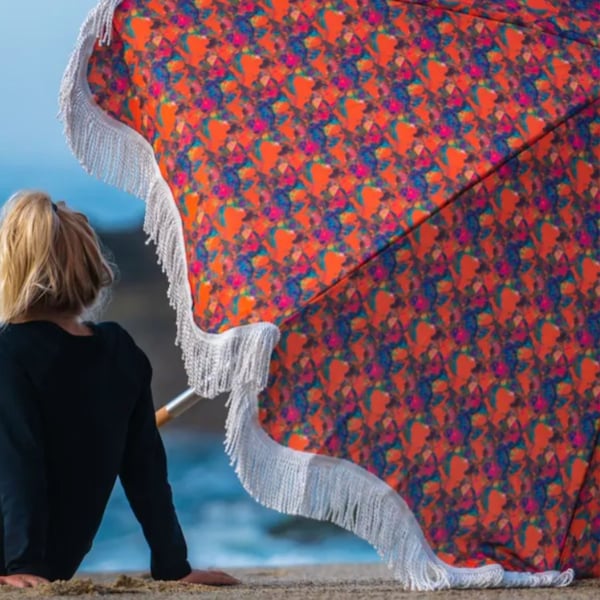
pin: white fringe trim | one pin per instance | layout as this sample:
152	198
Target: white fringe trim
103	19
336	490
120	156
289	481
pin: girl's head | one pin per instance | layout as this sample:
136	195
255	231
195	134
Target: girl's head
50	259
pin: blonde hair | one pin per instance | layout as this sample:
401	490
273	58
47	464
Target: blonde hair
50	259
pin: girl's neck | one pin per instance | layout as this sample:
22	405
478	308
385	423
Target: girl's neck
70	323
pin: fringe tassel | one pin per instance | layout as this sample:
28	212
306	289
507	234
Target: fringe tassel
214	362
534	580
300	483
118	155
336	490
103	20
293	482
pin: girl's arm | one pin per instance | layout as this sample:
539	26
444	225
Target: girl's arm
23	492
144	478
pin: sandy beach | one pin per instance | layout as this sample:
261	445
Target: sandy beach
330	582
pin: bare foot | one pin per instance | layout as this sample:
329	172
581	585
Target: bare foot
210	578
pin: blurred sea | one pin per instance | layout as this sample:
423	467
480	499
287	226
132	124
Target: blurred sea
224	527
107	208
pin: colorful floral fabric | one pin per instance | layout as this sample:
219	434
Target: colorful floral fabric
300	138
461	365
572	19
410	190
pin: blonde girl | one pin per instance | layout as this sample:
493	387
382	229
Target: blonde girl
76	408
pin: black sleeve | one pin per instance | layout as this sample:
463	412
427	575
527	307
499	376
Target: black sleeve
23	491
144	478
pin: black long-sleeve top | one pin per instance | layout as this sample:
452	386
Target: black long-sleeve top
75	413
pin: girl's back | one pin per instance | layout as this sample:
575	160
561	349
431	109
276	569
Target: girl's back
76	394
76	408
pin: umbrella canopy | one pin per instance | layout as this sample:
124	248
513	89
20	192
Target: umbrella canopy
404	195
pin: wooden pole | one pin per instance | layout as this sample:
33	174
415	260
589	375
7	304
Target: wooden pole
176	407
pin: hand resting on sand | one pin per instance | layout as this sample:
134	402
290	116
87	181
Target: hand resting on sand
22	580
210	578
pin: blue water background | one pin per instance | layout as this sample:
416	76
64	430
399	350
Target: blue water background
223	525
107	208
36	41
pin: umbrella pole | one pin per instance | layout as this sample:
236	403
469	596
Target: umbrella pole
176	407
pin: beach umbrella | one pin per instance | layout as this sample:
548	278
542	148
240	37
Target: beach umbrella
379	221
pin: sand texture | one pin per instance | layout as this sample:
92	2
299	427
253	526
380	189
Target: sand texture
331	582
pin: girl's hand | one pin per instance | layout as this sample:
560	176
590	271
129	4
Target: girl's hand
210	578
22	580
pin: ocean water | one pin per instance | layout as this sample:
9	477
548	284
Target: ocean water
107	208
224	527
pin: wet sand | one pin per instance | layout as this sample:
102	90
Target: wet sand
331	582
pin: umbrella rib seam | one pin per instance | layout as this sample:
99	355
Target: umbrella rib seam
454	198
